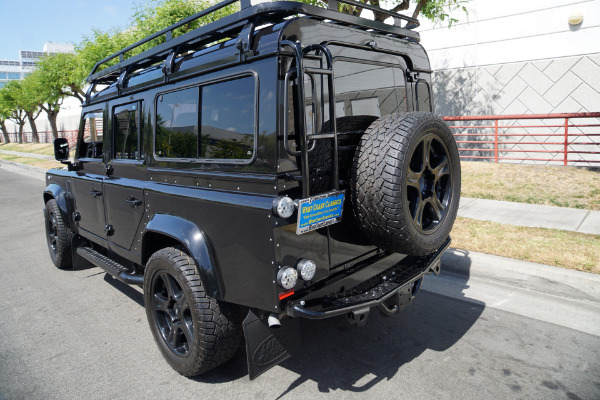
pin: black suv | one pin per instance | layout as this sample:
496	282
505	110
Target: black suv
279	163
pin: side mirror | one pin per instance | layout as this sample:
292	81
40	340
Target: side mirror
61	149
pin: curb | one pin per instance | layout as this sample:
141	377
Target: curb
544	278
34	172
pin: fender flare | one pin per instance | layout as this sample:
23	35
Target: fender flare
197	244
60	195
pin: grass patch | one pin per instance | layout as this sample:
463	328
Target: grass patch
43	148
534	184
35	162
545	246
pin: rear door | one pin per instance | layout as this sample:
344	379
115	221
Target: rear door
124	184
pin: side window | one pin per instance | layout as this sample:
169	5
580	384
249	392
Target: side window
423	96
228	120
126	131
221	128
177	124
91	138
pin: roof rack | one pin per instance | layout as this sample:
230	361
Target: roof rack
232	25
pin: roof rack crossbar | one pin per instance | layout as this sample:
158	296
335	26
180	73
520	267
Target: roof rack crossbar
398	18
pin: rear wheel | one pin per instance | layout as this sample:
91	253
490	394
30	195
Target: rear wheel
194	332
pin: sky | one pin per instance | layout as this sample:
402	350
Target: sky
28	24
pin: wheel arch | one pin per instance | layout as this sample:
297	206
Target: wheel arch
54	191
165	230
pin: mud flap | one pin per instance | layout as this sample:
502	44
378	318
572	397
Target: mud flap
79	262
266	347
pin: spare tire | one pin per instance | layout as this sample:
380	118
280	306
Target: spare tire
405	183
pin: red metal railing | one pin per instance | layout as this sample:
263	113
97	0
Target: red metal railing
496	138
44	136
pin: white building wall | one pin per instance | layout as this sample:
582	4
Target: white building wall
499	32
519	57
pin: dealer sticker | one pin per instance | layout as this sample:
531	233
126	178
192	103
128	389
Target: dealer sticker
319	211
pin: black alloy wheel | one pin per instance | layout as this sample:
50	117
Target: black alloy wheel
429	183
172	313
194	332
58	236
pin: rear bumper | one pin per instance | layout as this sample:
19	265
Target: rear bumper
399	282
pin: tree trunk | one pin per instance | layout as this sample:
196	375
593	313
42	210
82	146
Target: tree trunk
34	131
4	132
52	118
52	112
20	135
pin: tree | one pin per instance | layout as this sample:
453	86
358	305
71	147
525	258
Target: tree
55	79
4	114
11	93
28	98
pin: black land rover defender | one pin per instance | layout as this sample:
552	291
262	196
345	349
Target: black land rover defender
279	163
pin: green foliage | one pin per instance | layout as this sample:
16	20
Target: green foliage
439	10
13	98
60	75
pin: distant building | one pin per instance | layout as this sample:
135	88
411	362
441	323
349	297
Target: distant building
11	70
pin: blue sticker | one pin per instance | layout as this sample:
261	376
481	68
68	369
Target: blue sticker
319	211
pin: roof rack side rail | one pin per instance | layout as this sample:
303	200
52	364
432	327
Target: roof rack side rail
168	32
398	18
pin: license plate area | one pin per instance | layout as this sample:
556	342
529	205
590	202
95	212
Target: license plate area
319	211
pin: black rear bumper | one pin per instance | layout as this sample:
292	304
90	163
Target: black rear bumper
393	290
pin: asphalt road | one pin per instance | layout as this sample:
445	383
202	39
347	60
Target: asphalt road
82	335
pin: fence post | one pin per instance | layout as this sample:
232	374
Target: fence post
496	142
566	140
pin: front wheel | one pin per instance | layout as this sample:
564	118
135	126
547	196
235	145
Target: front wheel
58	236
194	332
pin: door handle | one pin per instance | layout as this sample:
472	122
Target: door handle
96	193
133	202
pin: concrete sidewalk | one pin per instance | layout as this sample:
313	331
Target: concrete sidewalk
28	155
531	215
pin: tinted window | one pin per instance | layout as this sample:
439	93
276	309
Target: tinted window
423	96
126	132
92	135
177	124
228	120
221	128
368	89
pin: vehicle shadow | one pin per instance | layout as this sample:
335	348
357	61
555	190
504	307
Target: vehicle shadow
340	356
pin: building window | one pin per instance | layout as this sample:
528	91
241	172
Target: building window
14	76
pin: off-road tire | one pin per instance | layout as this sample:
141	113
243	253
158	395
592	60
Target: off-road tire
58	236
205	332
405	183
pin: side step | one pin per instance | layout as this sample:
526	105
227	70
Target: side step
110	266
